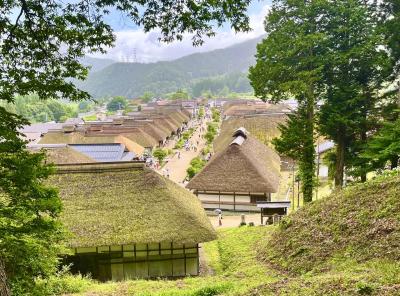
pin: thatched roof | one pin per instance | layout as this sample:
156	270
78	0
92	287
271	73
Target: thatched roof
246	165
79	138
264	128
65	155
124	203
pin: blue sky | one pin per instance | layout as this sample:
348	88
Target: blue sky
131	38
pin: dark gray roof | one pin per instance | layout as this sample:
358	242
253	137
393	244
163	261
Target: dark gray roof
104	152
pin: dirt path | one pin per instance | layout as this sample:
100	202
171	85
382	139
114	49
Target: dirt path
234	220
177	166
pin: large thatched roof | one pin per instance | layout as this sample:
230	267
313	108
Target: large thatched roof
60	137
246	165
65	154
121	203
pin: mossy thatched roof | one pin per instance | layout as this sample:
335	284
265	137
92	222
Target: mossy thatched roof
65	155
124	203
79	138
263	128
246	165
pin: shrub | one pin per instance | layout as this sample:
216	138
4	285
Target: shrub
160	154
196	164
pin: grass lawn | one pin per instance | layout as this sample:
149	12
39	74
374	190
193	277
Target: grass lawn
232	258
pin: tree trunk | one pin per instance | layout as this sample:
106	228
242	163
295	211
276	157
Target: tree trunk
394	161
339	170
363	174
4	290
308	159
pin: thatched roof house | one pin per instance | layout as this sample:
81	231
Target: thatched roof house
60	137
117	207
245	168
62	154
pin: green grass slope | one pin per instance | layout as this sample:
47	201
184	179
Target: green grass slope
345	244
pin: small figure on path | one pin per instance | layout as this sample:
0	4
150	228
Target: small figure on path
219	212
167	173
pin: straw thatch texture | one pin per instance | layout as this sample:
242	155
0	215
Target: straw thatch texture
125	203
79	138
65	155
244	166
141	138
263	128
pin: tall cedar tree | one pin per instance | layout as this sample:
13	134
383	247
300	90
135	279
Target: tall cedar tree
41	42
288	66
356	66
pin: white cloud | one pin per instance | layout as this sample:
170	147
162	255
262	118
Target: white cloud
149	49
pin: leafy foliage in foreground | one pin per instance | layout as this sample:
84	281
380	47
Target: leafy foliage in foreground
30	233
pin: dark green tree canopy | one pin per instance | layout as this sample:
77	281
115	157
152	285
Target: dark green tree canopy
117	103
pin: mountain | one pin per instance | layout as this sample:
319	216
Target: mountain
96	64
217	70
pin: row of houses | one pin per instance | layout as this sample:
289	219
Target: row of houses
120	138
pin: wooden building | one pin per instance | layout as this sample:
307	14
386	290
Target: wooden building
129	222
245	172
273	211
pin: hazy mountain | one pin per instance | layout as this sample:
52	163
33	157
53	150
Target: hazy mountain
215	70
96	64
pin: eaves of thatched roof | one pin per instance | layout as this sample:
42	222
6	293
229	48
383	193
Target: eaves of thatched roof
125	203
79	138
246	165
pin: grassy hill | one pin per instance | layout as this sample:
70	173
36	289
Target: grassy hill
225	67
345	244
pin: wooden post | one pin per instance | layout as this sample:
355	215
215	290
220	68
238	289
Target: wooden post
234	201
262	222
219	199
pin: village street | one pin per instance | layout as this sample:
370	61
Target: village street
177	166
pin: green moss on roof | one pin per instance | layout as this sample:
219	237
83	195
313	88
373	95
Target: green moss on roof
263	128
65	155
112	204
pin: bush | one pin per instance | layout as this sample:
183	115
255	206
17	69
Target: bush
216	115
62	283
160	154
196	164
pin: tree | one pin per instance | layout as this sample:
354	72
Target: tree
147	96
30	231
355	69
117	103
384	147
180	94
41	43
160	154
289	65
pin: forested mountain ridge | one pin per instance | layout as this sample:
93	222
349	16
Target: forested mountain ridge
216	71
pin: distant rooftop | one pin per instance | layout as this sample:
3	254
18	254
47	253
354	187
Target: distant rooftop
104	152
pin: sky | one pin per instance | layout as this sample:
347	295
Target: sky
132	44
